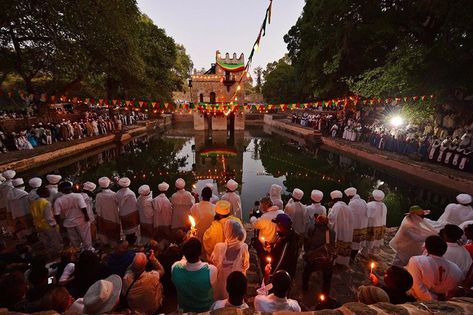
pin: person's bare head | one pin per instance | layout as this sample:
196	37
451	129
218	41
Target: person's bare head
139	263
265	203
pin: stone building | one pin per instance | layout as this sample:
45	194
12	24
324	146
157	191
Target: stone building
223	83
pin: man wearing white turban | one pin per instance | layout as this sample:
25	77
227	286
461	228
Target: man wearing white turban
231	255
358	208
53	182
162	214
5	187
145	210
18	208
457	213
108	219
275	195
376	227
341	221
297	211
315	208
181	201
233	198
127	210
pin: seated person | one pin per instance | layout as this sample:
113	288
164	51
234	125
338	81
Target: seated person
277	301
120	259
236	288
434	276
397	281
457	254
369	294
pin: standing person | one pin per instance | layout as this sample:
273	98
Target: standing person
89	196
5	187
129	216
297	212
434	276
315	208
53	181
232	196
194	280
181	201
214	198
275	195
108	219
203	213
457	213
411	235
18	208
457	254
45	224
359	210
34	183
285	252
229	256
215	233
341	221
72	207
318	236
376	212
278	301
146	212
162	214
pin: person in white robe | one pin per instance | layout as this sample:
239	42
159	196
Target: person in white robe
297	212
410	237
275	195
162	217
376	227
358	208
457	213
88	194
34	183
214	198
233	198
127	210
203	213
315	208
231	255
108	219
5	187
181	201
434	276
146	212
18	208
341	221
456	253
53	181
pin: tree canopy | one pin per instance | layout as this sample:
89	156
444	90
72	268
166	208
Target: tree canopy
380	49
94	48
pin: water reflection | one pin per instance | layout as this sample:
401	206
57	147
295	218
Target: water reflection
256	158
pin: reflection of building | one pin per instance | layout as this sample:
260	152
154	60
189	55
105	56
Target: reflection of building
219	157
221	85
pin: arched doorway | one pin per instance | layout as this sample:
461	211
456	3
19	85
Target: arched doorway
212	98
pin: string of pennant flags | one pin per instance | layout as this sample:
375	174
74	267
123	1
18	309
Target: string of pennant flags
332	104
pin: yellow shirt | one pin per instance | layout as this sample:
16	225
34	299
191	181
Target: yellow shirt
42	215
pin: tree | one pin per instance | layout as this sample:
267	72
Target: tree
259	78
279	82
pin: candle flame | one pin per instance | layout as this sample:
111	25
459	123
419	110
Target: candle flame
268	259
372	265
322	298
192	221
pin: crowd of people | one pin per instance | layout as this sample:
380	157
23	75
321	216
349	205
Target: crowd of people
93	124
194	247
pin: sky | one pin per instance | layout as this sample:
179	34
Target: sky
204	26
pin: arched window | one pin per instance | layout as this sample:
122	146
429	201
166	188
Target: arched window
212	98
201	98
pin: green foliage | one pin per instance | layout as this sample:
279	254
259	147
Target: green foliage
93	48
279	82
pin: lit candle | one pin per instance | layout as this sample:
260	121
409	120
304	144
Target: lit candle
268	259
322	298
192	221
372	266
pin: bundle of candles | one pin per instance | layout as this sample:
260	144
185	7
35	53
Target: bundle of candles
192	232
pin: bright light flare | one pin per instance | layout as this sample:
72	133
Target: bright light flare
322	298
396	121
192	221
268	259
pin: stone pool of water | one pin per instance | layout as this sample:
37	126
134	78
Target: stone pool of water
256	158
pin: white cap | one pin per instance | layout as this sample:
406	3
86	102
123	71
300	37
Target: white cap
336	194
163	186
350	192
232	185
104	182
297	193
9	174
275	188
378	195
144	190
18	182
209	185
53	179
316	195
89	186
180	183
464	199
35	182
124	182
